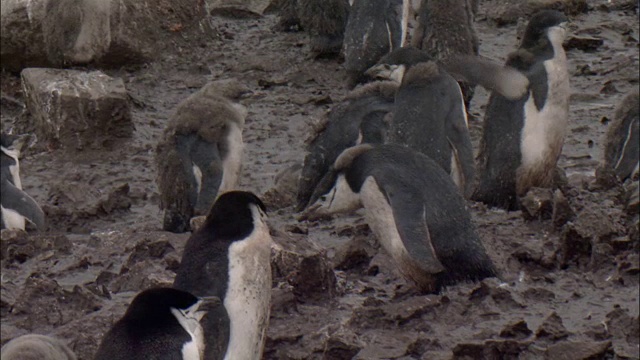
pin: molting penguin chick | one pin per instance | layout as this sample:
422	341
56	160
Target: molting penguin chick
229	257
361	118
375	27
160	323
621	151
36	347
325	21
17	207
523	138
200	154
430	115
412	207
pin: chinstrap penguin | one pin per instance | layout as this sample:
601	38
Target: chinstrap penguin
375	27
361	118
17	207
36	347
200	154
229	258
430	116
622	141
412	207
160	323
523	138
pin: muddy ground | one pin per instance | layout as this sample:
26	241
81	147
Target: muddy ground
567	292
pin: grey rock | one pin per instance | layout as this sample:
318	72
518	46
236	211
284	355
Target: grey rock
237	8
21	36
570	350
76	109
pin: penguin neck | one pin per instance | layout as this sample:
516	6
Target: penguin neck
248	293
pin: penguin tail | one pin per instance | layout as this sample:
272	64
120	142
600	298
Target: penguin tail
505	80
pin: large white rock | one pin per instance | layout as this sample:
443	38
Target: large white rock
76	109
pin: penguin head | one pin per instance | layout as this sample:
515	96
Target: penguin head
546	24
234	215
394	65
231	89
153	306
337	192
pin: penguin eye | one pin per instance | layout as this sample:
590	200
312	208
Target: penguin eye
387	67
323	198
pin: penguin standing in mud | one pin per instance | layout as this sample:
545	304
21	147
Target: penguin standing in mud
430	116
160	323
445	29
412	207
523	138
229	258
361	118
200	154
622	142
375	28
36	347
17	207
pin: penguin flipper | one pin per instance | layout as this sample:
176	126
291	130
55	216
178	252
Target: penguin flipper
20	202
206	156
628	160
410	219
506	80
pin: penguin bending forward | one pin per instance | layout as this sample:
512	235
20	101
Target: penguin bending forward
159	324
229	258
361	118
375	28
523	138
622	142
17	207
412	207
200	154
36	347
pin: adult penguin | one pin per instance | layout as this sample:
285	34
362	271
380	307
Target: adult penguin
523	138
412	207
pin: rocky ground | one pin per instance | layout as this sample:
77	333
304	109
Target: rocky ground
569	290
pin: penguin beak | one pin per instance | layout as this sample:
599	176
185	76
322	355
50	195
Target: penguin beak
246	94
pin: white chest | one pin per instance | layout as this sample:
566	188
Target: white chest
544	129
189	319
248	297
380	218
232	162
12	219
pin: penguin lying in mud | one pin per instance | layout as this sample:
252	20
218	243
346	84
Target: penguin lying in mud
359	119
445	29
375	27
17	207
324	20
412	207
523	138
160	323
229	258
200	154
36	347
622	143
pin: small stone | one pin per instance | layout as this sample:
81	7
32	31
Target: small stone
562	212
355	253
584	43
575	248
237	8
304	265
552	328
537	204
77	109
569	350
518	330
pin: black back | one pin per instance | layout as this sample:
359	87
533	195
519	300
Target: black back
407	55
379	21
204	270
426	111
621	149
405	174
366	115
148	330
500	154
